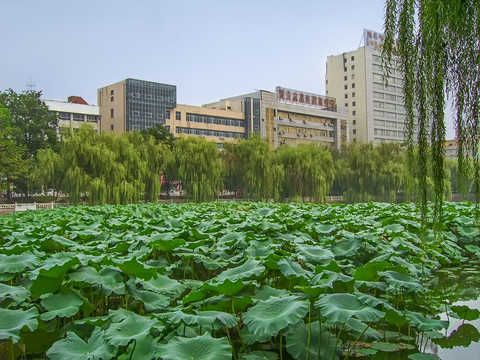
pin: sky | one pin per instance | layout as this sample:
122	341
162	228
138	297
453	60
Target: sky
209	49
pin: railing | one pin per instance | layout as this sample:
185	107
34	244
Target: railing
11	208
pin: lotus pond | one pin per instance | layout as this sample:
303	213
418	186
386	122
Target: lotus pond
237	281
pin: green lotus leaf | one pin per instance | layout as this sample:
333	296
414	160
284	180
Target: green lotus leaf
423	356
261	248
203	318
394	229
369	271
266	292
314	254
473	249
209	263
55	265
339	308
151	301
17	293
110	280
325	228
74	348
464	312
17	263
347	246
126	325
384	346
226	287
290	268
322	345
468	232
61	305
359	328
266	211
250	268
199	348
163	285
132	267
267	318
167	245
463	336
142	349
327	278
399	281
13	321
424	323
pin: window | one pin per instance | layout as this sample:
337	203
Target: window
354	131
112	113
352	58
353	67
353	103
78	117
354	122
345	87
112	127
326	81
353	76
346	96
148	115
178	115
346	104
354	112
92	118
160	116
64	116
167	114
148	96
344	69
353	85
135	113
345	78
353	94
111	99
112	92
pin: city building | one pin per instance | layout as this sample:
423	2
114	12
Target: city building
286	116
291	117
375	103
73	113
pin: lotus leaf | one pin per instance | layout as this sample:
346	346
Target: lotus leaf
163	285
290	268
339	308
424	323
141	349
399	281
126	325
203	318
423	356
17	263
250	268
321	345
13	321
151	301
464	312
17	293
199	348
267	318
74	348
61	305
463	336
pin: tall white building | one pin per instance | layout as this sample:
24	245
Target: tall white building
375	103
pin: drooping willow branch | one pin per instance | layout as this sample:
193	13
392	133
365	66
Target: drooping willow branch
436	44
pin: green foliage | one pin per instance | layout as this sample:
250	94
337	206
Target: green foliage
105	168
251	166
258	280
367	172
437	49
309	171
196	162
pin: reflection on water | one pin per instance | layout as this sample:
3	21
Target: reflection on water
459	287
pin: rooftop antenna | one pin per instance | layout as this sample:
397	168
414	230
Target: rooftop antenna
31	85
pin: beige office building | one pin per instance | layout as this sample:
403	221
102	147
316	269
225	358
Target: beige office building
73	113
291	117
375	103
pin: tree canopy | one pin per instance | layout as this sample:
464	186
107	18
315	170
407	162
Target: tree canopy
436	44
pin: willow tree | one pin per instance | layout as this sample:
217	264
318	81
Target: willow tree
308	170
107	168
196	163
436	44
366	172
252	166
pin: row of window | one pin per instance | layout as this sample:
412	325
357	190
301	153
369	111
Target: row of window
218	120
390	124
389	97
388	115
202	132
388	106
393	133
77	117
391	88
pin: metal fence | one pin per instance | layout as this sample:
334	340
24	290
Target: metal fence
11	208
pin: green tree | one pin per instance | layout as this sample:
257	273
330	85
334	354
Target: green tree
436	43
196	163
13	165
161	135
366	172
32	126
48	170
309	171
106	168
252	167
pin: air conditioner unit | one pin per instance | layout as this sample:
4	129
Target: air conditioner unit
291	120
280	118
311	135
305	121
201	136
298	134
222	137
304	135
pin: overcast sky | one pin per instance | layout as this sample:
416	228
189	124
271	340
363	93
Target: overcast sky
209	49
